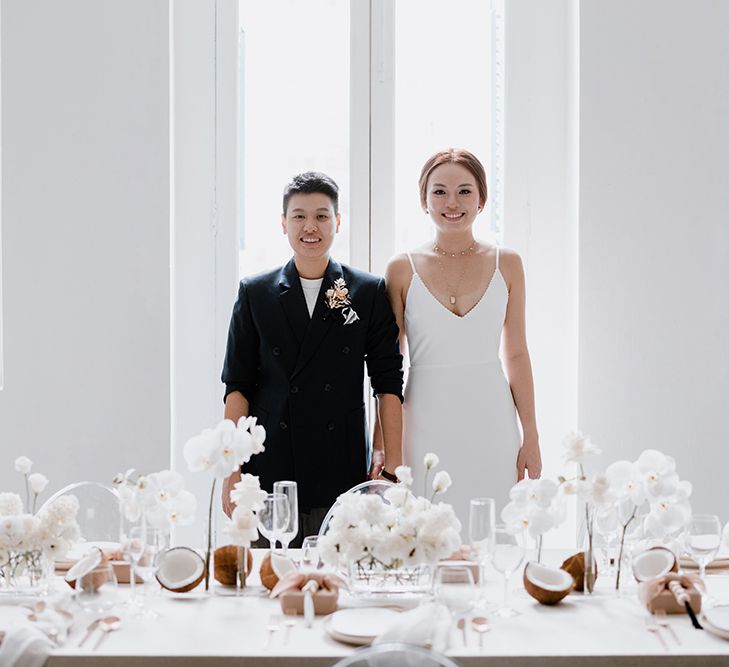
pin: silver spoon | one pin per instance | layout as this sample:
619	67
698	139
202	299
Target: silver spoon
107	625
481	626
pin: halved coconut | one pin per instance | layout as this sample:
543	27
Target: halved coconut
274	568
85	566
575	565
180	569
654	562
225	564
547	585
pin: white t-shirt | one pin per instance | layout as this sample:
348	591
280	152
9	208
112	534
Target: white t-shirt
311	292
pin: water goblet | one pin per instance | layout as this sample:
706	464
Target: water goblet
273	517
145	546
97	591
291	527
310	552
703	538
508	555
454	587
481	525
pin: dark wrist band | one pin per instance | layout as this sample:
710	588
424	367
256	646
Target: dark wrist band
389	476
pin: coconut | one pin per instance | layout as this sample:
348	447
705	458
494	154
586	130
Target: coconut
547	585
654	562
275	567
575	565
225	564
180	569
88	564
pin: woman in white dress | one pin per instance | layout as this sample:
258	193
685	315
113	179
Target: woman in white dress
459	303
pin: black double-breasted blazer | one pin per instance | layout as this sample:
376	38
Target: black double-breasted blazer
303	376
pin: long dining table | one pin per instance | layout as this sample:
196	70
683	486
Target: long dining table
199	628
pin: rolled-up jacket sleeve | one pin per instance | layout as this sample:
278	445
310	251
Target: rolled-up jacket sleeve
241	356
382	354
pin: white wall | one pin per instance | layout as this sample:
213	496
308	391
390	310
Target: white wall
654	235
85	227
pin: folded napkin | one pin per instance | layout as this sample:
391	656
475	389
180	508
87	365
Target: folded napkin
23	643
290	590
427	625
655	594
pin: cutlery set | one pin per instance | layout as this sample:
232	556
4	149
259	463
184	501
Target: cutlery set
105	625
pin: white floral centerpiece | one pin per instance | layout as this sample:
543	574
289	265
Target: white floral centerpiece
221	451
30	542
391	539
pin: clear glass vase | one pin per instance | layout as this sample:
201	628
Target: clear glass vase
373	579
24	573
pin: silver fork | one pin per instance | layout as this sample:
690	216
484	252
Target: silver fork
662	620
653	627
273	626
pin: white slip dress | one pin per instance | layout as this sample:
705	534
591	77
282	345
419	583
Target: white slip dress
458	403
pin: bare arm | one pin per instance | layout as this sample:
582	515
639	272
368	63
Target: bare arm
236	406
518	367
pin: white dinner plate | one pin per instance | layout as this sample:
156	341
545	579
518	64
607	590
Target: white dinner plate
359	626
716	621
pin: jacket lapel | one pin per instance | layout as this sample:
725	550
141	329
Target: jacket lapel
322	319
293	301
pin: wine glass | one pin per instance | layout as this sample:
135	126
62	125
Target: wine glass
291	527
454	587
481	524
310	552
145	546
97	591
703	539
507	556
273	517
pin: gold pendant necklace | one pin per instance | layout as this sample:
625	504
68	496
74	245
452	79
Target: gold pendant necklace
453	293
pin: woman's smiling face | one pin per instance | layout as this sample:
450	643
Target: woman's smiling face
452	196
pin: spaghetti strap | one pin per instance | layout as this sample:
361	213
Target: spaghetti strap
412	264
497	258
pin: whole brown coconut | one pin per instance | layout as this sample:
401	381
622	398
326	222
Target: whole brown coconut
575	565
225	561
268	577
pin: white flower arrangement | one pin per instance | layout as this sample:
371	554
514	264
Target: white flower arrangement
222	451
399	530
159	499
28	540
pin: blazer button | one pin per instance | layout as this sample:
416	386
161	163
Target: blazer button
345	349
276	351
330	426
294	390
327	387
283	426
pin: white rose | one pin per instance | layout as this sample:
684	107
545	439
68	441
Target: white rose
37	482
23	464
405	475
431	460
441	482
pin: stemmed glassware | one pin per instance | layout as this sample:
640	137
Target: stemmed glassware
481	527
310	552
273	517
703	538
454	587
97	591
508	555
291	527
145	546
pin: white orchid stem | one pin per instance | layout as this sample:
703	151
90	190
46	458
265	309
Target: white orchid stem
539	548
425	482
27	491
622	542
35	499
210	536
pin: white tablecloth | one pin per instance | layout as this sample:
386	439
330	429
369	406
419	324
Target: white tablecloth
602	629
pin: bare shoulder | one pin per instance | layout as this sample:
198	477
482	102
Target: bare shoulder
398	271
511	265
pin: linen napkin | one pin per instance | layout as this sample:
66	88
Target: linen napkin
23	644
427	625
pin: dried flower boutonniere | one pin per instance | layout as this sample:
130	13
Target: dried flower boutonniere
337	298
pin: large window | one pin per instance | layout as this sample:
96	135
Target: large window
364	91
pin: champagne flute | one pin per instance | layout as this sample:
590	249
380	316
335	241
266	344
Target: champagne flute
507	557
291	527
702	543
273	516
481	525
145	546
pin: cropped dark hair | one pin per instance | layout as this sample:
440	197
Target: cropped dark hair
310	182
